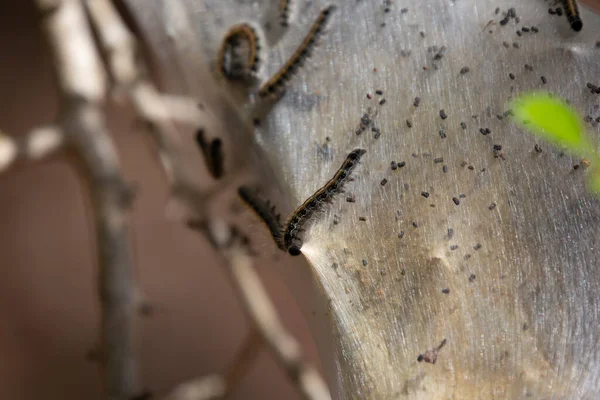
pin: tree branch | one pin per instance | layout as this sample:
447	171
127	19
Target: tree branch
38	144
82	84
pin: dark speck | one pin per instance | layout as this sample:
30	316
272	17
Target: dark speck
422	34
362	219
401	235
379	92
516	45
534	29
445	168
464	70
492	206
383	182
443	114
511	76
463	125
543	78
414	224
472	277
443	133
365	263
408	123
477	246
525	29
417	101
401	164
393	165
381	102
425	194
519	33
537	148
454	247
450	233
403	10
446	291
456	200
438	160
506	44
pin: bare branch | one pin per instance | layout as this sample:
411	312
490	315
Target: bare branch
36	145
119	46
261	311
210	387
82	85
244	358
156	109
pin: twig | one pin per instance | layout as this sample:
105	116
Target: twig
35	145
210	387
243	360
119	46
82	84
262	313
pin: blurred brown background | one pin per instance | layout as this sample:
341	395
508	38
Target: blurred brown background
48	303
47	295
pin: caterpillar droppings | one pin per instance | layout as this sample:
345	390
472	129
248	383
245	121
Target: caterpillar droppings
292	242
277	81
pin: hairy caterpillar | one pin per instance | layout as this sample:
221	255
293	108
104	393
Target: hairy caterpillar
241	38
315	203
284	7
277	81
265	211
572	12
212	152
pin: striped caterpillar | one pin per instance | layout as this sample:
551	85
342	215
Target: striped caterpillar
284	8
315	203
287	236
238	56
265	211
572	12
277	81
212	152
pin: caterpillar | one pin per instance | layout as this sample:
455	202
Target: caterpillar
277	81
291	240
265	211
572	12
238	57
284	7
212	152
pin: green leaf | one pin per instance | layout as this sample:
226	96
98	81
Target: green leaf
554	120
